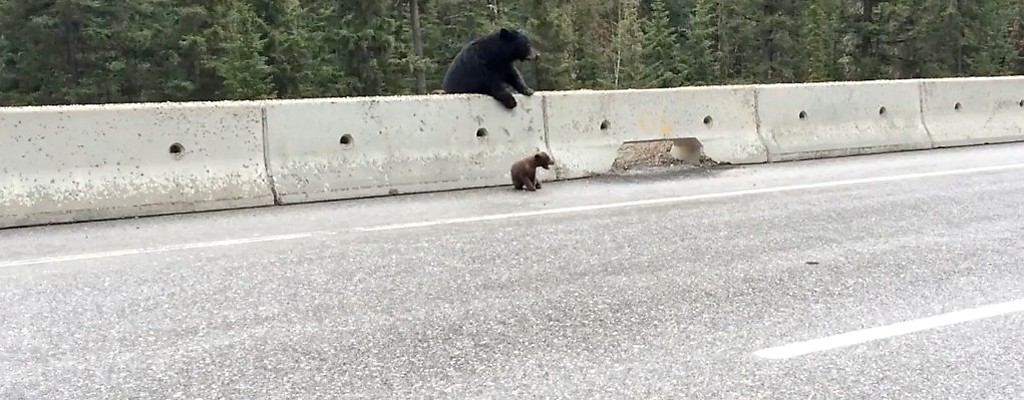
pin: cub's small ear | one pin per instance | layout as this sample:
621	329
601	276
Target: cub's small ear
506	34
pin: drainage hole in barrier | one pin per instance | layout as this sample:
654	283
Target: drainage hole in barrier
482	132
882	111
1021	103
176	149
605	125
803	114
958	106
346	140
708	120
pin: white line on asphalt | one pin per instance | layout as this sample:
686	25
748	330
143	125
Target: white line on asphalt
680	199
567	210
887	331
159	249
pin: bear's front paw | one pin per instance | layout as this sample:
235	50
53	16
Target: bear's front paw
509	102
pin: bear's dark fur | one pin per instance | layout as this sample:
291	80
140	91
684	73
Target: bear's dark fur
485	66
524	171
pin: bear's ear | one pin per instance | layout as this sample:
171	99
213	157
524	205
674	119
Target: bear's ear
505	34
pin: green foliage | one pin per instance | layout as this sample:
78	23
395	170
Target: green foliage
91	51
820	34
661	55
704	45
233	50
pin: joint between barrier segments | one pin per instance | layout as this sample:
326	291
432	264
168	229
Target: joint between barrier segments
758	129
547	141
265	128
920	114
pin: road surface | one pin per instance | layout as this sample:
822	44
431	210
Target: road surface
890	276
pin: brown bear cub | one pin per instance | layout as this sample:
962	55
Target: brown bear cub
524	172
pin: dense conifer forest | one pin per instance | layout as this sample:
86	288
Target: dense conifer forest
93	51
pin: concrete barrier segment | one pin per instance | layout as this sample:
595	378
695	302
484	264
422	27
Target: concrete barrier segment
88	162
330	149
971	111
820	120
587	128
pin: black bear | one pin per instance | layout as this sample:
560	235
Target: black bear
524	171
484	66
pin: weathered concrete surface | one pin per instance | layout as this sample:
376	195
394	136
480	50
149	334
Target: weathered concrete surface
396	144
803	121
969	111
586	128
63	164
76	163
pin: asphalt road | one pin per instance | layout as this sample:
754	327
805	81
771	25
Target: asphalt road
660	285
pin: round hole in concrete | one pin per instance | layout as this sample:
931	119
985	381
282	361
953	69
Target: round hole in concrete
346	140
958	106
176	149
882	111
482	132
605	125
708	120
1021	103
803	114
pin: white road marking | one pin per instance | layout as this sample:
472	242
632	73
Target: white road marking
680	199
159	249
567	210
887	331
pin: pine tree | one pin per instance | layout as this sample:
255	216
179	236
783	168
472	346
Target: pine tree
661	57
591	47
779	42
704	46
88	51
551	26
820	35
235	51
287	47
1016	37
627	45
742	57
862	57
364	47
988	49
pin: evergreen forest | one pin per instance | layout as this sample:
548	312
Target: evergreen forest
107	51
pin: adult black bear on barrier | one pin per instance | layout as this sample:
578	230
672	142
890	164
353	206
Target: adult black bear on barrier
485	66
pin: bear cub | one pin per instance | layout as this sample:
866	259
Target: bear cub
524	171
485	66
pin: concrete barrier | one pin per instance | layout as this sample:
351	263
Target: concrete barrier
330	149
803	121
967	111
76	163
586	128
325	149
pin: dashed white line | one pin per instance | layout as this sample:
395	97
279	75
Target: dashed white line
887	331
